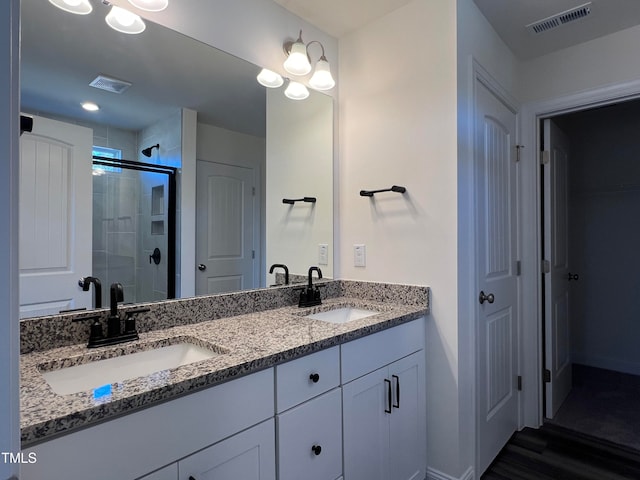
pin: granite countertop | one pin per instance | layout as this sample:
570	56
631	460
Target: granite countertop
248	343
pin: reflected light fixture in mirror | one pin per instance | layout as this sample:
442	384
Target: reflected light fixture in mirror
79	7
269	78
150	5
124	21
296	91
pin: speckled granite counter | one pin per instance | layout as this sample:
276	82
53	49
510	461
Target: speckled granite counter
248	341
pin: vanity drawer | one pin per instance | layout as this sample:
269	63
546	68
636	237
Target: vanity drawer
310	439
304	378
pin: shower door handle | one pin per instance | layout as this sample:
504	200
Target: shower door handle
155	257
202	267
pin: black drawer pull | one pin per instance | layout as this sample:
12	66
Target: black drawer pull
397	379
317	449
314	377
389	401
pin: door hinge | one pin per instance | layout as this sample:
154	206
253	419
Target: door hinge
547	375
545	157
253	191
253	254
519	383
546	266
518	150
518	268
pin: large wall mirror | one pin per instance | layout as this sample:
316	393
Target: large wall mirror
185	140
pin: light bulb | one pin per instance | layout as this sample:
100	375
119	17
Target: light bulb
297	63
269	79
150	5
321	78
124	21
296	91
90	106
79	7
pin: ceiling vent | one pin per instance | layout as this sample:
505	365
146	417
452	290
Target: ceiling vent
110	84
561	18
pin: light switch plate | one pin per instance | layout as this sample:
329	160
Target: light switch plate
359	255
323	254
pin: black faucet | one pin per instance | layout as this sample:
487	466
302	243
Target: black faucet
113	324
310	296
86	282
286	271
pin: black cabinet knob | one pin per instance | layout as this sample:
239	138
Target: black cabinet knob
317	449
314	377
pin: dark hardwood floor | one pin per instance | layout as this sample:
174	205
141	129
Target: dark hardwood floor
556	453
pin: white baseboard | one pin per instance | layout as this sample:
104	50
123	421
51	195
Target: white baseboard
433	474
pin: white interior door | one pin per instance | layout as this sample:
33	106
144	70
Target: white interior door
556	280
55	217
226	228
497	313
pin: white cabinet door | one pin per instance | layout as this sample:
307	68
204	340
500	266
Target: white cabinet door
310	439
365	407
249	455
384	423
408	435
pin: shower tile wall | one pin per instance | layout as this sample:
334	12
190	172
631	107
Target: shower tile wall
151	278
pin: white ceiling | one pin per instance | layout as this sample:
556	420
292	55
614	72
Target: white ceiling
339	17
61	53
509	18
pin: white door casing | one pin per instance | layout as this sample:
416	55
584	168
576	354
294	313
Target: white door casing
556	252
496	267
226	228
55	217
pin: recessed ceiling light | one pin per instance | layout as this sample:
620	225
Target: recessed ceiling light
90	107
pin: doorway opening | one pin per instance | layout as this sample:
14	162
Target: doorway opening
134	228
602	274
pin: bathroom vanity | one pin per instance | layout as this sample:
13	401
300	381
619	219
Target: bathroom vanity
284	395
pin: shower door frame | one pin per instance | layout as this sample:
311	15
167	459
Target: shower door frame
171	207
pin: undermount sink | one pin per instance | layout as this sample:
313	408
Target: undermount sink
342	314
102	373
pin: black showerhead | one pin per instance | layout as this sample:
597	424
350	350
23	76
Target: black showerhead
147	151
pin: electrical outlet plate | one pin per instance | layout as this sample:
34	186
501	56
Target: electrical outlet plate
323	254
359	255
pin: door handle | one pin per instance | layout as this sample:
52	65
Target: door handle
389	400
397	379
572	276
202	267
483	297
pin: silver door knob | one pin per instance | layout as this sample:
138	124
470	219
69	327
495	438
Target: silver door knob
202	267
483	297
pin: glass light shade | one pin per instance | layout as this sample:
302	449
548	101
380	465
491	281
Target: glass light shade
269	79
296	91
150	5
79	7
124	21
297	63
321	78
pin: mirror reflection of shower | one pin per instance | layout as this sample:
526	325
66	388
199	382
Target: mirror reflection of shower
147	151
134	214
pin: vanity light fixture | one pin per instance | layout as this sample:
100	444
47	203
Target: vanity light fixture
270	79
298	63
124	21
79	7
296	91
150	5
